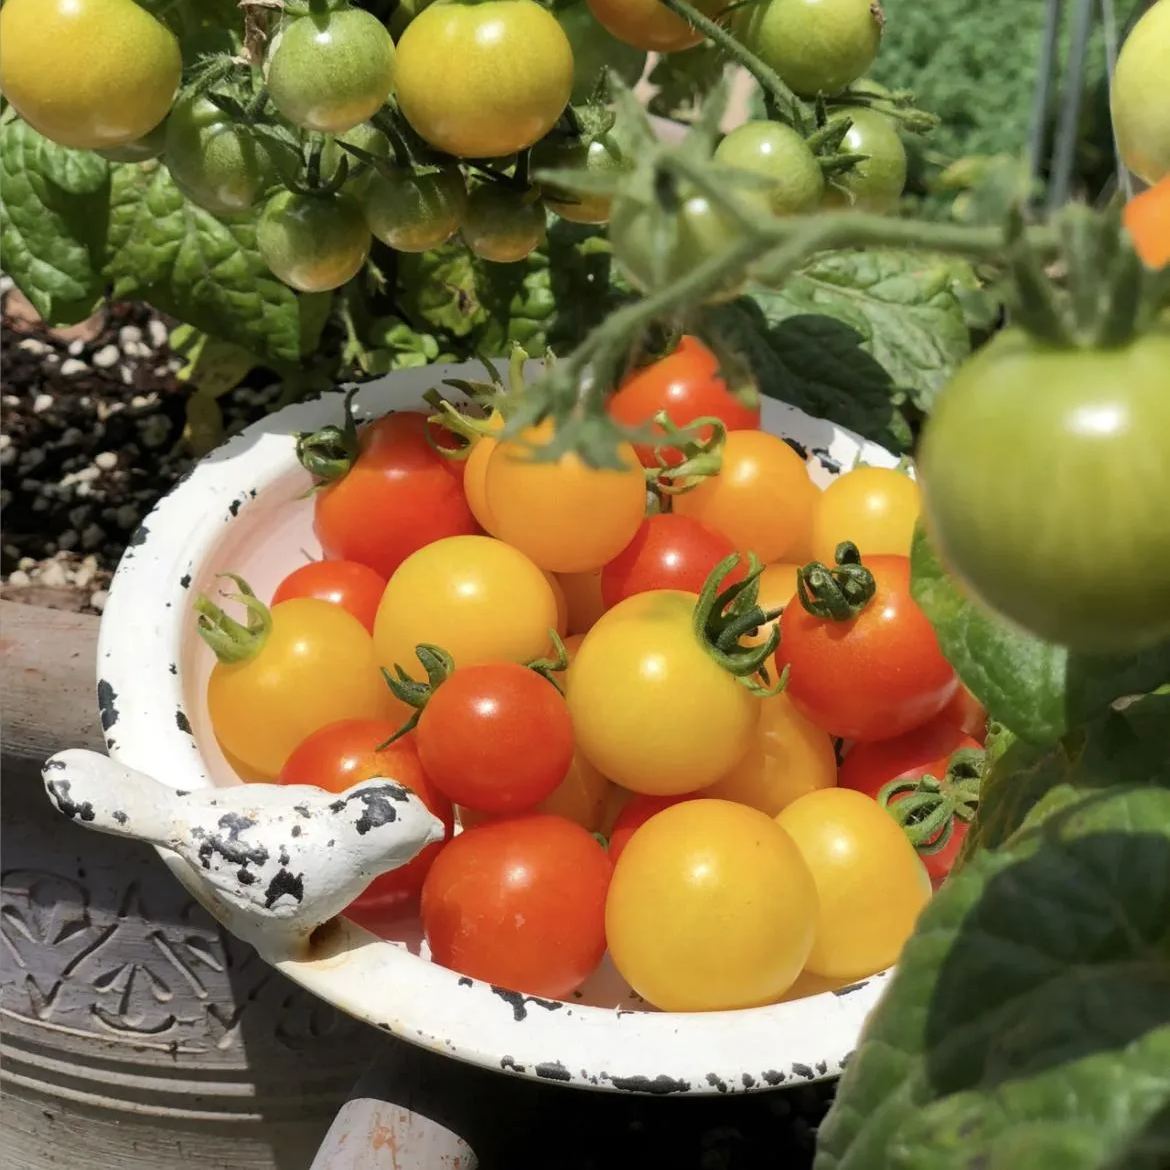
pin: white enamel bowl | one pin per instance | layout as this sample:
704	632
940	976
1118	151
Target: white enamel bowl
244	509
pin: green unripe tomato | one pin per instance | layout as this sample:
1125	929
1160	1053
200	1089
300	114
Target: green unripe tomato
1140	98
363	136
329	72
501	224
313	242
779	153
415	211
817	46
877	183
602	156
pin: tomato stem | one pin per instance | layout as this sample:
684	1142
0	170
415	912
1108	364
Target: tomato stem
438	665
702	458
838	594
327	454
928	807
231	641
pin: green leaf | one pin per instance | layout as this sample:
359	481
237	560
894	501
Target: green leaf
212	366
201	269
907	309
1028	1022
52	222
1038	690
816	363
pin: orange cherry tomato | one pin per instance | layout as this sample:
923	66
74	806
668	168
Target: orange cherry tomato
1147	219
874	507
583	597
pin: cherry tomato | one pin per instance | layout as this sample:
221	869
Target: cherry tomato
562	626
965	712
515	74
762	499
344	754
503	224
1138	96
149	146
873	676
594	51
496	737
710	908
790	757
313	243
583	597
415	210
667	552
651	707
688	386
214	161
355	587
479	599
874	507
875	184
398	477
475	472
581	797
316	665
1147	219
780	153
519	903
634	814
572	644
870	884
331	70
567	516
1030	535
817	46
87	74
777	587
601	156
649	25
869	766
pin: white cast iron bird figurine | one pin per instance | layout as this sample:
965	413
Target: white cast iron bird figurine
279	859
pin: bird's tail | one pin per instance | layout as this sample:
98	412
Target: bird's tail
99	793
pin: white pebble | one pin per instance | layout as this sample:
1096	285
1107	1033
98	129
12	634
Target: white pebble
106	357
53	575
41	403
129	335
158	333
33	345
106	460
7	284
76	348
19	577
83	576
27	563
127	375
5	442
71	368
99	598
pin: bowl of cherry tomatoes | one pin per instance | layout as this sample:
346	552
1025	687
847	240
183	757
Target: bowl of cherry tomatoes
655	723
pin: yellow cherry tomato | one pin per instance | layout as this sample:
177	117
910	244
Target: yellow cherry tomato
874	507
562	626
809	984
777	588
710	908
478	598
761	500
315	667
475	474
92	74
567	516
583	594
790	758
572	645
870	883
651	708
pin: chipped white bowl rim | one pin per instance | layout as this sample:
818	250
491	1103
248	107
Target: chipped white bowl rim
143	702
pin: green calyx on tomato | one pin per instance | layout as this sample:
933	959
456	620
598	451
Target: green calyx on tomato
685	456
329	452
723	616
929	807
840	593
870	173
231	641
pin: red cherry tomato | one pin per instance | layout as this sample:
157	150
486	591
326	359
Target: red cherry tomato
667	552
873	676
867	767
687	385
344	754
635	813
496	738
966	713
353	586
519	903
399	495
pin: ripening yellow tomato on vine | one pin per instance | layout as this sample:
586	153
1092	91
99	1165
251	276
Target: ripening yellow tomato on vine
874	507
710	907
91	74
567	516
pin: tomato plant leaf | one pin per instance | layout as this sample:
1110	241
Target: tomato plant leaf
1038	690
907	309
201	269
52	222
1028	1022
